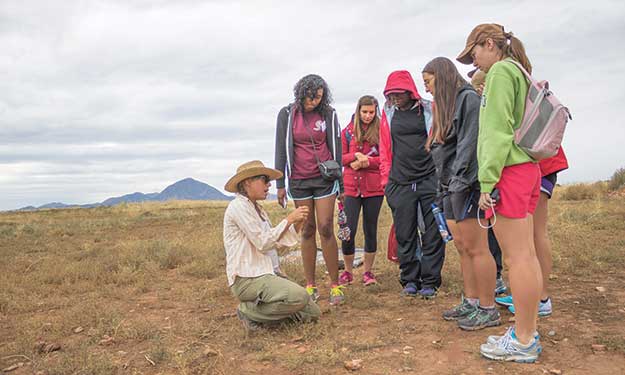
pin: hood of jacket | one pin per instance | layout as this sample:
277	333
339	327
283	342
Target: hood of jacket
401	80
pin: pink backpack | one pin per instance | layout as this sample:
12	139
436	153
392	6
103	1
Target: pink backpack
544	121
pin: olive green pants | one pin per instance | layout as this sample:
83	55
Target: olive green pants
272	299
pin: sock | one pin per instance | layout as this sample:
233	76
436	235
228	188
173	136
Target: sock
544	300
473	301
491	307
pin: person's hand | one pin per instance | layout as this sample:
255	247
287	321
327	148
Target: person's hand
300	215
480	89
361	157
341	197
486	201
282	197
355	165
365	162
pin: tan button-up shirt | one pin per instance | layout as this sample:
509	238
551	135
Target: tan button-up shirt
247	240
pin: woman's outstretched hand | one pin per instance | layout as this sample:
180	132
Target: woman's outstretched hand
300	215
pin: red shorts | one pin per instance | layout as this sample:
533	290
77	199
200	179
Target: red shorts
519	189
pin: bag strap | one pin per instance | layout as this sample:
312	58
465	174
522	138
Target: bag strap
525	73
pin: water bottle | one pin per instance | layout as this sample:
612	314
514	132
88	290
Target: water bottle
441	223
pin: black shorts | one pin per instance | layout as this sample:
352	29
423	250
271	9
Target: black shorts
462	205
312	188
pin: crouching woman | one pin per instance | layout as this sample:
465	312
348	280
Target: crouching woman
248	238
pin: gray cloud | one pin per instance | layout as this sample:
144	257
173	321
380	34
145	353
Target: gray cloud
105	98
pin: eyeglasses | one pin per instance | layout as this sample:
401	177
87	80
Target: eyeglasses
265	178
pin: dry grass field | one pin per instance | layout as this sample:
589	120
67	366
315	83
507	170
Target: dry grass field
141	289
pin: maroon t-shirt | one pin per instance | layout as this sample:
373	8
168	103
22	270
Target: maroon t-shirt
305	164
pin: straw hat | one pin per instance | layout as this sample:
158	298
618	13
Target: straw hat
250	169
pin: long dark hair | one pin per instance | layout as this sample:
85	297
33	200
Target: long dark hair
447	83
372	135
307	87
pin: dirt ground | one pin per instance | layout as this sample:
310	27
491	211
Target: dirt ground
141	289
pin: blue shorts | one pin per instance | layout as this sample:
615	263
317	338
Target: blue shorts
548	183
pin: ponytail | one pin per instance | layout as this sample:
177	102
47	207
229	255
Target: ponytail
513	47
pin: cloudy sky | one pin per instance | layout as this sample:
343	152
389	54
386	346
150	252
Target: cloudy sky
104	98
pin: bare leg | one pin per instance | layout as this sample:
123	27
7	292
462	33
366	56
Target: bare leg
475	240
324	209
369	259
349	262
542	242
516	238
309	243
466	267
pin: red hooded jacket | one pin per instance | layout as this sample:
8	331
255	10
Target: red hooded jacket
364	182
399	80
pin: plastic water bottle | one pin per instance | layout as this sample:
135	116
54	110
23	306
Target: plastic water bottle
441	223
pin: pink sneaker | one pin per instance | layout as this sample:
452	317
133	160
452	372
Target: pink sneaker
368	278
346	278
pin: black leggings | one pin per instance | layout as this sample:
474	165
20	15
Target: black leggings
370	212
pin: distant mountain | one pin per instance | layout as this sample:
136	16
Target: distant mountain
186	189
130	198
54	205
190	189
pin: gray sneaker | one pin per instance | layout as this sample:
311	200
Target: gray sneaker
500	286
508	348
462	310
480	318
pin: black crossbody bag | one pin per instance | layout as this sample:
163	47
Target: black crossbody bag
330	169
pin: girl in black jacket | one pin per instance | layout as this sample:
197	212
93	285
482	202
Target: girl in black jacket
453	144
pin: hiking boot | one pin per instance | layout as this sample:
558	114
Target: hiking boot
346	278
504	301
480	318
509	349
368	278
544	308
500	286
336	295
410	290
248	324
462	310
312	292
427	292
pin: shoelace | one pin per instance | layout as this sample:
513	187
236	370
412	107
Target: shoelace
337	291
505	340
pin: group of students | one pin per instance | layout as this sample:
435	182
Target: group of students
457	152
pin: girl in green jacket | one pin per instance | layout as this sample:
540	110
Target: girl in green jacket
507	171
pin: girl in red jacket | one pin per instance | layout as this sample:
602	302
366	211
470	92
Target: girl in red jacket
361	178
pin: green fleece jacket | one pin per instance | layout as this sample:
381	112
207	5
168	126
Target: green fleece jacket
501	112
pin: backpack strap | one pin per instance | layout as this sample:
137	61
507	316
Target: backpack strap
348	138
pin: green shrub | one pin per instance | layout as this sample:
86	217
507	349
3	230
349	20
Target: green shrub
617	181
